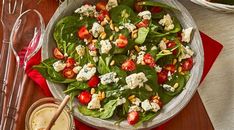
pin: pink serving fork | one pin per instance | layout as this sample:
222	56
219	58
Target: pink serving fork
11	9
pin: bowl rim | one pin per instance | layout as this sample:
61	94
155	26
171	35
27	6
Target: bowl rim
188	94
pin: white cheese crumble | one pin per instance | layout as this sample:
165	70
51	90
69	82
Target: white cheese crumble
137	102
169	75
80	50
109	78
155	106
97	29
93	53
186	34
140	57
162	45
146	105
168	88
121	101
188	53
105	46
59	66
154	48
94	103
86	73
95	59
167	22
76	69
135	80
134	108
131	27
143	48
87	10
145	14
158	68
111	4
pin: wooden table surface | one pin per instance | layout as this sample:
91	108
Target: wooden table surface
192	117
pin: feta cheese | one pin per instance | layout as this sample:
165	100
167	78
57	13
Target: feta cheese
121	101
140	57
131	27
143	48
168	88
59	66
186	34
146	105
97	29
162	45
65	55
86	73
145	14
135	80
95	59
93	53
109	78
134	108
87	10
94	103
189	51
167	22
136	102
77	69
80	50
111	4
155	106
105	46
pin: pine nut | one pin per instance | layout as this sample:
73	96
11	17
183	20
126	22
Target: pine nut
103	35
107	18
133	35
131	97
103	95
137	48
174	61
112	63
116	29
112	27
103	23
179	69
176	85
92	91
111	38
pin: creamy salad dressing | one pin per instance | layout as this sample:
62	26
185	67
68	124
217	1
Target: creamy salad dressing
42	115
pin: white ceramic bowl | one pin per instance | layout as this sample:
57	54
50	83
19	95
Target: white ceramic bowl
170	109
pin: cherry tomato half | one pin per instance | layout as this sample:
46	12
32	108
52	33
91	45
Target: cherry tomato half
58	54
128	65
84	97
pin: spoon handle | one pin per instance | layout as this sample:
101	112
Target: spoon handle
15	99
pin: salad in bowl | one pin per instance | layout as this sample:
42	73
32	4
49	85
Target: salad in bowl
122	60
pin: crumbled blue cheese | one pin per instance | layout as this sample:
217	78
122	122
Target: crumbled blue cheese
167	22
131	27
137	102
94	103
145	14
86	72
59	66
109	78
111	4
168	88
134	108
135	80
188	53
105	46
140	57
162	45
87	10
93	53
186	34
97	29
77	69
146	105
158	68
121	101
80	50
155	106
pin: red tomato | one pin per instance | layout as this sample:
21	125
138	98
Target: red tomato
94	81
171	68
68	73
137	7
171	45
84	97
162	77
155	10
149	60
128	65
70	62
101	5
158	101
58	54
83	33
122	41
133	117
144	23
102	15
187	64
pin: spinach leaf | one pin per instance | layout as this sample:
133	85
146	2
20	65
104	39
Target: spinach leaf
103	65
129	3
157	4
119	59
76	86
142	34
85	111
145	117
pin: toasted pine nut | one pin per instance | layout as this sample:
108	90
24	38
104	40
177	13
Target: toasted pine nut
137	48
131	97
90	65
116	29
92	91
179	69
112	63
107	18
103	35
103	23
103	95
164	39
174	61
133	100
182	73
111	37
133	35
176	85
112	27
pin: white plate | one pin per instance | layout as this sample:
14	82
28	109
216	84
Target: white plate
170	109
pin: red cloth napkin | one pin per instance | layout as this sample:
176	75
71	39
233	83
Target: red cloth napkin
211	51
